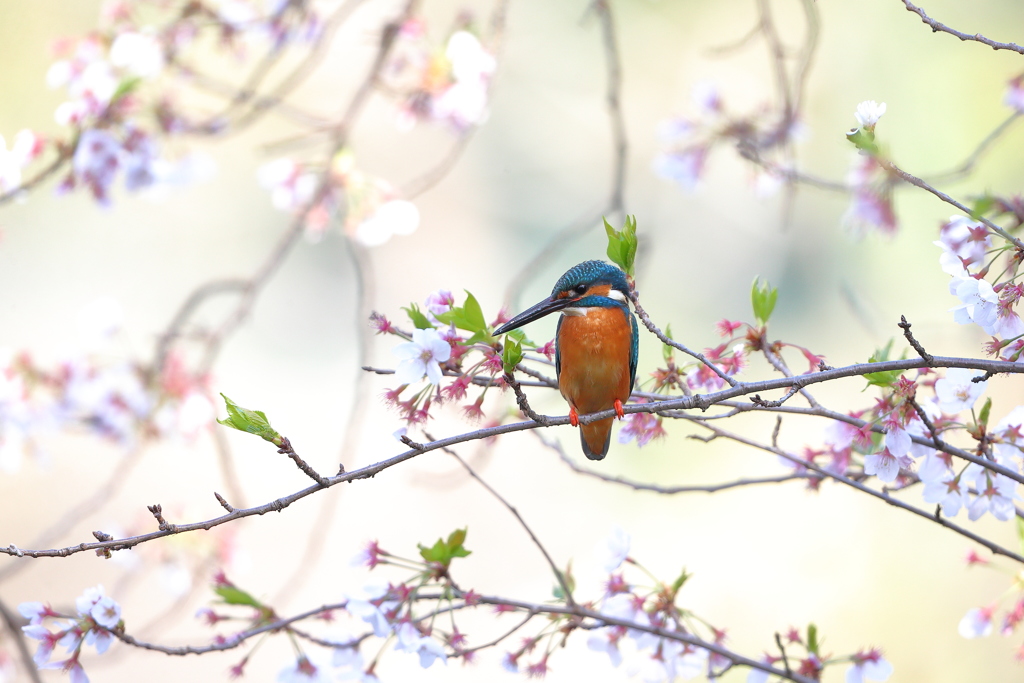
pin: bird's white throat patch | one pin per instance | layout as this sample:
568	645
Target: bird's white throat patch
574	310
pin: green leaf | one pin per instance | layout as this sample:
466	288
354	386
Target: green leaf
236	596
125	87
442	552
435	553
684	576
474	314
985	410
570	582
511	355
669	352
812	639
418	319
762	298
864	140
981	205
249	421
885	378
622	244
468	317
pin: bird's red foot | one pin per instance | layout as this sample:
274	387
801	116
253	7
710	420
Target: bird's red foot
574	418
618	409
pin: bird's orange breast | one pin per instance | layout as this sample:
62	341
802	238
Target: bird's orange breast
594	354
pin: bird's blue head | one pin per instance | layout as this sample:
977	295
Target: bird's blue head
591	283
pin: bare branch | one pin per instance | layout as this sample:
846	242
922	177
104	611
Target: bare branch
670	490
937	26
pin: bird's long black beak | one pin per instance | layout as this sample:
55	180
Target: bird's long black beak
535	312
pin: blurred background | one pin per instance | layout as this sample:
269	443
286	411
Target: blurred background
763	559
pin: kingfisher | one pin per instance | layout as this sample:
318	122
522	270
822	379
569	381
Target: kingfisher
596	346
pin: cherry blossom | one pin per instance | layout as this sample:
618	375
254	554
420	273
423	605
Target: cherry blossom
945	492
72	667
979	302
883	465
868	113
615	549
139	54
348	657
956	392
35	612
868	666
977	623
644	427
683	167
394	217
290	185
303	671
47	641
1014	97
371	614
607	640
464	102
25	148
966	239
897	439
422	356
871	199
106	612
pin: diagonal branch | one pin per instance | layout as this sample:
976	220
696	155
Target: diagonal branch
938	26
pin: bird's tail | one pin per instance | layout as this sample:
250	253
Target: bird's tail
595	438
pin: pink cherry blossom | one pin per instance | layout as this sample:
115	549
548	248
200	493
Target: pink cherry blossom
977	623
956	392
1014	97
868	666
883	465
303	671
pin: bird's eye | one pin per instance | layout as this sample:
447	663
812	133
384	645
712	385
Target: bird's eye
580	289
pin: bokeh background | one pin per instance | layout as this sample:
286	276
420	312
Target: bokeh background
763	559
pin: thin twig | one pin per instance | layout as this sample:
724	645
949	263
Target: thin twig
649	324
669	490
905	326
895	502
566	589
287	449
917	182
524	404
937	26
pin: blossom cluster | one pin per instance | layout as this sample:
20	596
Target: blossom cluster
373	210
971	251
447	340
447	85
116	399
855	448
97	616
121	90
980	622
690	140
392	611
